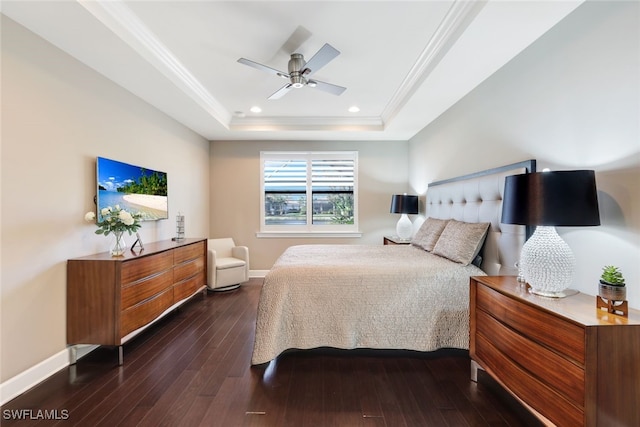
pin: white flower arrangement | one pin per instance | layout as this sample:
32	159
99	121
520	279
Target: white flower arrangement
115	220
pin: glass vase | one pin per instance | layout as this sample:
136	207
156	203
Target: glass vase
119	245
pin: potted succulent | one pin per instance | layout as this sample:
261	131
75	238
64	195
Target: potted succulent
612	285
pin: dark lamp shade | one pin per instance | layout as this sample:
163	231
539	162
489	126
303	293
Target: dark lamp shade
559	198
404	204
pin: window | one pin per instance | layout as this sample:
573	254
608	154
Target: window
309	192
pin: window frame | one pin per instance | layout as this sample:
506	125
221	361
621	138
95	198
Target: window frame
308	229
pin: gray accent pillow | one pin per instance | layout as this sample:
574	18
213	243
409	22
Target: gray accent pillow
428	233
461	241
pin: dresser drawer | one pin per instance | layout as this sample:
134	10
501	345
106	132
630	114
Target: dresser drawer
189	252
187	269
188	287
143	289
146	311
526	386
145	267
555	371
561	335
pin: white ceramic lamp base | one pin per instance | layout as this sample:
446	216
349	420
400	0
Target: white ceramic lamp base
404	228
547	263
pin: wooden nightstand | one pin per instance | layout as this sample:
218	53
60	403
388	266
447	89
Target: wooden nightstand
395	240
569	362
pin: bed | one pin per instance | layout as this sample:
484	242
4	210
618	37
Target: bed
405	297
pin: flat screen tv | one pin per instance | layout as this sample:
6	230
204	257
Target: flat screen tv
133	188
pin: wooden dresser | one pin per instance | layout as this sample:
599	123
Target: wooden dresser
569	362
111	299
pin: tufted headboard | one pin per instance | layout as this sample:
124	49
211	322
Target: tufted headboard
478	198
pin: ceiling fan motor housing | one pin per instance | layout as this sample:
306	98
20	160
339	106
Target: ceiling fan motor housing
296	67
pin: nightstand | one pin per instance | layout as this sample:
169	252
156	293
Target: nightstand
395	240
568	361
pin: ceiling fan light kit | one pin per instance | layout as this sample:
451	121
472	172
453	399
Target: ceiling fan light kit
300	70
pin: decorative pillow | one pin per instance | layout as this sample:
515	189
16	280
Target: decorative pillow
428	233
461	241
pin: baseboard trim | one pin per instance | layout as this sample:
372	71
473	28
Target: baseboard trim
258	273
22	382
33	376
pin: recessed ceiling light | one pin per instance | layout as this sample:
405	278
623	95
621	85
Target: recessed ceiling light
256	109
354	109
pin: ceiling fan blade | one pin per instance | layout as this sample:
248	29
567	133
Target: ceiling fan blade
295	40
320	59
326	87
263	68
281	92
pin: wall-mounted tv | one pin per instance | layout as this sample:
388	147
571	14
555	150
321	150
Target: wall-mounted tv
133	188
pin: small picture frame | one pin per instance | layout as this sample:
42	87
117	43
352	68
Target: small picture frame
138	242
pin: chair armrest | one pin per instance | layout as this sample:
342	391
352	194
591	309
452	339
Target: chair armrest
212	255
241	252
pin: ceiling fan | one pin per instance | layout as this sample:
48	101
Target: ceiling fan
300	71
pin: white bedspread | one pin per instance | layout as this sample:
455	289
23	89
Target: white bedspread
356	296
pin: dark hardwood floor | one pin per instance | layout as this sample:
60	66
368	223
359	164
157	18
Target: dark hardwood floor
193	368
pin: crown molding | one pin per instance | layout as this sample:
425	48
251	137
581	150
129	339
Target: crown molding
457	19
306	124
116	16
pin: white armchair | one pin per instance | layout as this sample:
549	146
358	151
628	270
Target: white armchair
227	264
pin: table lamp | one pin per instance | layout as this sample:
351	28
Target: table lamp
547	200
404	204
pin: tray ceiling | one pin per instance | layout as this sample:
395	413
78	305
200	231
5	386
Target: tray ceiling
403	63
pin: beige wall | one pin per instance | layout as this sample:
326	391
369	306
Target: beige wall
571	101
57	116
235	192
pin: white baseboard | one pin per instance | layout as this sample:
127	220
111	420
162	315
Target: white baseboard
258	273
33	376
22	382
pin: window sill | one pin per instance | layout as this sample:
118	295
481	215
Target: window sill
307	234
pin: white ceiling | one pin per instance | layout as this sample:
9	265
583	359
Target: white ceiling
403	63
